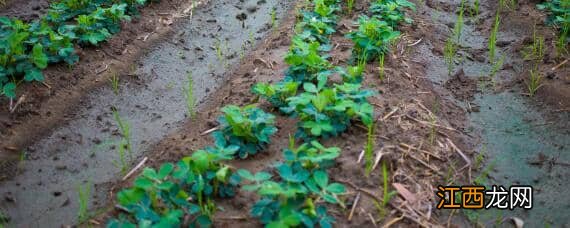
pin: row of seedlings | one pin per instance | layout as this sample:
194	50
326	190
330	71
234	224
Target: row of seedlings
183	194
28	48
296	195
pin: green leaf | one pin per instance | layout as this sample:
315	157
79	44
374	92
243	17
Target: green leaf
143	183
336	188
33	75
310	87
9	90
321	178
223	174
39	58
165	169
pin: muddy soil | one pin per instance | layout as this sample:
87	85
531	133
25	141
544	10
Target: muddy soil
511	129
25	10
83	150
422	112
403	107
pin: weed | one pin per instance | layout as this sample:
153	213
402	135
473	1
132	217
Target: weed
476	6
381	62
3	218
125	130
122	162
449	54
273	18
251	38
535	51
562	42
368	149
349	6
493	38
507	4
496	67
458	28
189	95
115	83
84	193
534	81
385	179
219	50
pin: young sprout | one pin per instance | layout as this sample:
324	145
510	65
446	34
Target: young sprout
368	150
476	6
115	83
189	95
493	38
273	18
382	67
534	81
449	53
349	6
125	130
535	51
122	162
84	194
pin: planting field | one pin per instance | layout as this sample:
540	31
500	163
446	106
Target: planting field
268	113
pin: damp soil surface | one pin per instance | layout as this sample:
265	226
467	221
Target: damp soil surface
426	116
42	187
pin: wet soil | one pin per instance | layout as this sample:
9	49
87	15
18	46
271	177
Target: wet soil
405	94
25	10
420	109
150	99
511	128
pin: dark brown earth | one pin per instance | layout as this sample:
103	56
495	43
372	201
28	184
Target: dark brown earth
416	120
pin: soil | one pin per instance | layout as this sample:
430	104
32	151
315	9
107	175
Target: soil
421	111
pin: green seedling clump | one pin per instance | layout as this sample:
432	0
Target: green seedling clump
305	61
249	128
325	111
373	38
392	11
28	48
276	94
161	198
493	37
292	199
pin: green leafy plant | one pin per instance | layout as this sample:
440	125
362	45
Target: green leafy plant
305	61
559	16
373	38
325	111
278	93
97	26
392	11
162	198
352	74
248	128
290	200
